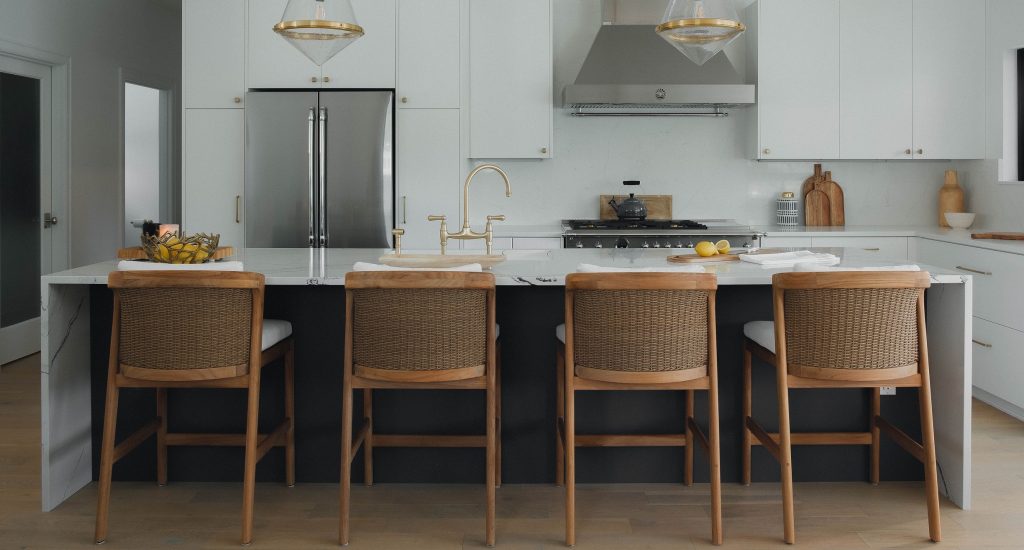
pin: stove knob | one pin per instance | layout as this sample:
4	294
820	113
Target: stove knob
645	245
579	244
689	244
677	245
598	245
622	243
657	245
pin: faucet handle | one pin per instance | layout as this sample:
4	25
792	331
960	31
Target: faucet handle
498	218
398	232
437	218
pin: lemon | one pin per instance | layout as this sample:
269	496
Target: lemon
723	246
706	249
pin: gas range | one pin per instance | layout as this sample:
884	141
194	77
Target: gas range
655	233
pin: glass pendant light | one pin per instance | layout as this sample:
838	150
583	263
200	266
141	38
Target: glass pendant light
319	28
700	28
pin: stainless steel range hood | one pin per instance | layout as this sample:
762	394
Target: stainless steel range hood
631	71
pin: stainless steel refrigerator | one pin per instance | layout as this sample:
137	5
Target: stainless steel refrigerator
319	169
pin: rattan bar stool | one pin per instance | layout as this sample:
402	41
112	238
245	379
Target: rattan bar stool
419	330
843	330
159	341
674	349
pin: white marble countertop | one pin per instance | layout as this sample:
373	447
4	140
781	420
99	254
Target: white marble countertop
935	233
522	231
301	266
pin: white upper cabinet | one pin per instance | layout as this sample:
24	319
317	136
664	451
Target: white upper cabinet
876	73
949	79
213	53
429	40
798	79
370	61
510	79
272	61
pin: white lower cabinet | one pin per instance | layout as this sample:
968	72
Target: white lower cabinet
536	243
998	370
868	248
213	182
785	242
498	245
428	175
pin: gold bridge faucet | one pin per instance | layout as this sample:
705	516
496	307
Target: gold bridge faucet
466	233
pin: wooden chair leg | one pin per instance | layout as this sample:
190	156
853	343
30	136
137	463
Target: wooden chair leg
570	461
559	414
492	428
714	442
289	410
346	464
688	470
106	462
497	419
786	462
368	441
748	407
161	437
251	441
931	481
876	435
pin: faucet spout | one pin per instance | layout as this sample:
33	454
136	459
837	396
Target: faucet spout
469	180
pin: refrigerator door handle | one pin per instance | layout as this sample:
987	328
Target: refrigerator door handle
323	177
312	184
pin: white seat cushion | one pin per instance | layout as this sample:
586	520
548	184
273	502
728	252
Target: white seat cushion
560	333
588	268
275	330
761	332
364	266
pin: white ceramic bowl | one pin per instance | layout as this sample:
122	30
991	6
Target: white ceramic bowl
959	220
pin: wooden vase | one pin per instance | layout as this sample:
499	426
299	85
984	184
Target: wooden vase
951	197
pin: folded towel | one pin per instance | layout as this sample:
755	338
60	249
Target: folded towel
790	259
815	267
137	265
589	268
364	266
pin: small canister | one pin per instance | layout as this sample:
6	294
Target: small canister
787	210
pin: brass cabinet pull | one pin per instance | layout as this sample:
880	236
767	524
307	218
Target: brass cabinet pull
873	249
327	79
969	270
544	150
314	79
920	151
405	100
238	208
907	152
405	209
767	151
982	344
238	100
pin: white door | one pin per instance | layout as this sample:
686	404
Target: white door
213	53
429	166
429	41
510	79
214	174
798	79
271	61
370	61
876	59
949	79
146	149
25	202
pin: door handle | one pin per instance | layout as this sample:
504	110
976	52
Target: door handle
323	177
238	208
311	160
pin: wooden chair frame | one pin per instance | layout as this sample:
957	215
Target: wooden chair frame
244	377
779	445
573	378
367	379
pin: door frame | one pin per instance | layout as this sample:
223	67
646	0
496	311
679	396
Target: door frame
168	102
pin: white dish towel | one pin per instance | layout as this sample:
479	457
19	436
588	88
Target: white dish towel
136	265
590	268
790	259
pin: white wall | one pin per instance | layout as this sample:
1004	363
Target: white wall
100	37
999	206
704	163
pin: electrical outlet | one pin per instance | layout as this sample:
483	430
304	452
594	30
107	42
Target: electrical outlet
888	390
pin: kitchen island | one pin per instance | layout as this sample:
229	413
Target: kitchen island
305	287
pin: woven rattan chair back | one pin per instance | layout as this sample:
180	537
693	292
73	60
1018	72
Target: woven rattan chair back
642	323
415	322
852	325
186	321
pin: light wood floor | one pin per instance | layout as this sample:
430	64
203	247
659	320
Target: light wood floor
200	515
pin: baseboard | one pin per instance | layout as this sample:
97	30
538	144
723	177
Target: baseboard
999	403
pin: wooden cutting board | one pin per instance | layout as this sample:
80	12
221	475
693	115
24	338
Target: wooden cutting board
816	208
659	207
137	253
999	236
836	201
697	259
809	182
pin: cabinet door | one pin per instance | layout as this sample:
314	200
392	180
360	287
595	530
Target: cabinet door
214	173
798	79
272	61
997	368
510	79
868	248
876	72
370	61
429	166
949	79
213	53
429	40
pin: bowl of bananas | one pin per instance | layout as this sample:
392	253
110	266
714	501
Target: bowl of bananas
174	249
